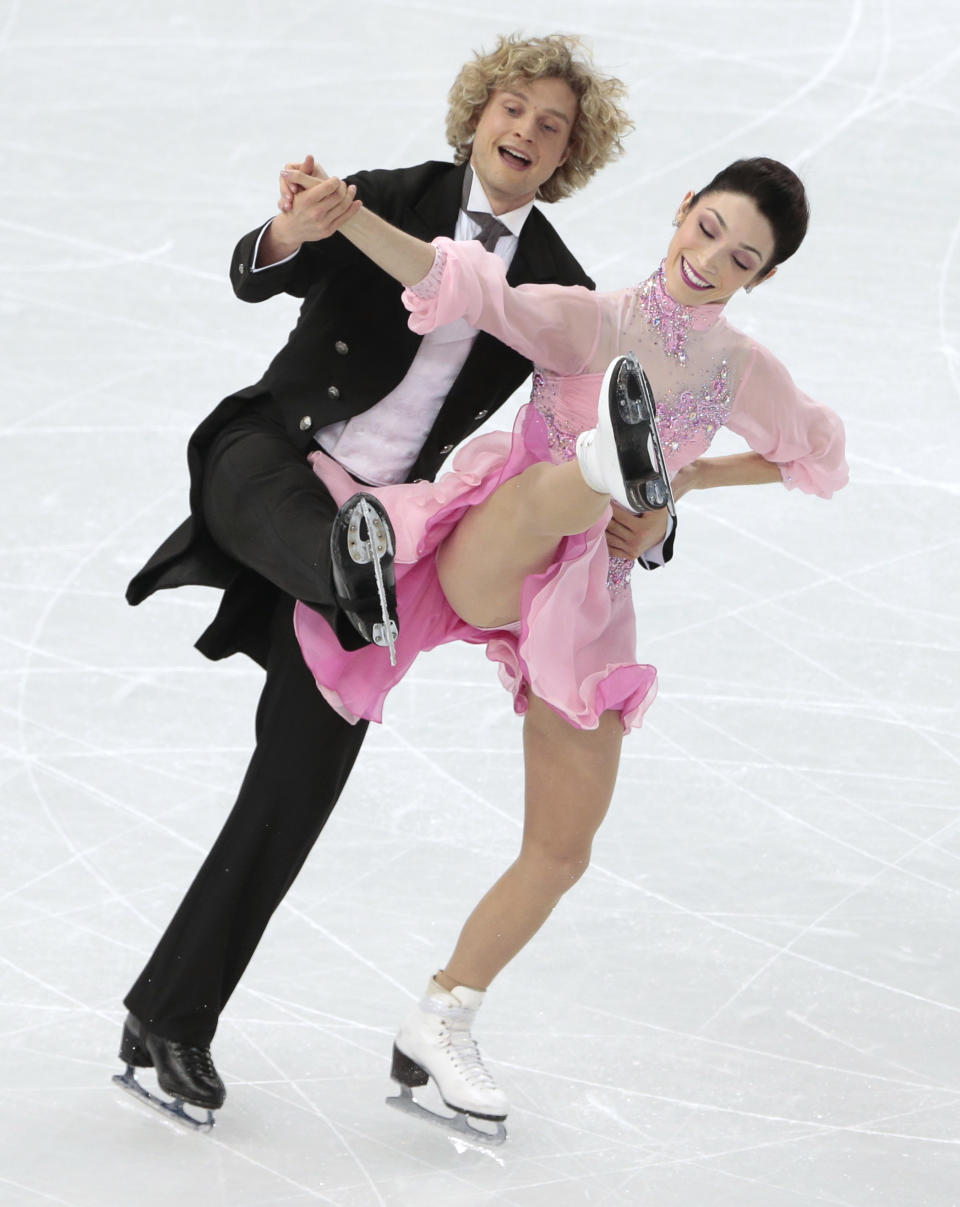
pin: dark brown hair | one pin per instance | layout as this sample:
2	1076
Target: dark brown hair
778	194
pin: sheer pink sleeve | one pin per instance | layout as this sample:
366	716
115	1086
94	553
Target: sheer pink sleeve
557	326
785	426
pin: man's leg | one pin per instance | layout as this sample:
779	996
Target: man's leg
303	755
263	503
267	509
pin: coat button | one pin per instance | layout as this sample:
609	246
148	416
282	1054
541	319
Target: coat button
305	423
480	415
333	392
341	347
447	448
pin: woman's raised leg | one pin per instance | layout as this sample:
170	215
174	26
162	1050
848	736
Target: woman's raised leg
510	535
515	532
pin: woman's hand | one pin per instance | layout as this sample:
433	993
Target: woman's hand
314	204
629	535
289	190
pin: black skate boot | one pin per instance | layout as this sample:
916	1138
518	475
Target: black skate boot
361	552
622	456
184	1071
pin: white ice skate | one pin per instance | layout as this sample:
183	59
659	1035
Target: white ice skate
435	1043
622	456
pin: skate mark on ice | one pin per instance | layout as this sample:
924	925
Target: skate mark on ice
915	1081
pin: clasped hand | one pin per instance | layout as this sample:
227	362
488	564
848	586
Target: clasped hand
317	205
629	535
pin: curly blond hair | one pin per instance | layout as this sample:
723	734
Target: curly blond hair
601	123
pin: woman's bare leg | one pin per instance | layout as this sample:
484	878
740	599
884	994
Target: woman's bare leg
511	534
570	775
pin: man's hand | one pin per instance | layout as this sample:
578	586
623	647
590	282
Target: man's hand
629	535
312	206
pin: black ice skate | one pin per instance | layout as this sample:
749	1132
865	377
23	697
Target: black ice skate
435	1044
185	1072
361	550
623	456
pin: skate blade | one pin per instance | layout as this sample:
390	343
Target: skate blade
459	1123
384	633
174	1109
651	491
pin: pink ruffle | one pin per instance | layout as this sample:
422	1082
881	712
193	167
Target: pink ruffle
576	643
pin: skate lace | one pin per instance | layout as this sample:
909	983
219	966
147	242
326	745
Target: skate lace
198	1061
466	1056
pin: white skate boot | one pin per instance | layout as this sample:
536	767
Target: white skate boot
435	1042
622	455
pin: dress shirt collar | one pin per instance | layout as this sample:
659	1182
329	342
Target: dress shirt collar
513	220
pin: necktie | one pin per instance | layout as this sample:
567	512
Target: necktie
491	228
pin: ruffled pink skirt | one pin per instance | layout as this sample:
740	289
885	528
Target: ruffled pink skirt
575	643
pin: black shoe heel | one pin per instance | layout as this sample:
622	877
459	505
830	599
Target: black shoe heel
362	545
406	1071
132	1052
629	399
633	412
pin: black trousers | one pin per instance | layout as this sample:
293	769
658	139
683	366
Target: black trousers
265	506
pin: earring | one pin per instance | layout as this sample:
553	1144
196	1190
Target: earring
676	222
748	288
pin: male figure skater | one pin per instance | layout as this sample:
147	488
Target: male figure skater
532	119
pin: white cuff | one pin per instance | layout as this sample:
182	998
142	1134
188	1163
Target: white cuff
256	253
651	559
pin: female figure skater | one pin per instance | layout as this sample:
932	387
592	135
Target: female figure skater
508	549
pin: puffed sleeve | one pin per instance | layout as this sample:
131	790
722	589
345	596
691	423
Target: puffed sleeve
557	326
787	427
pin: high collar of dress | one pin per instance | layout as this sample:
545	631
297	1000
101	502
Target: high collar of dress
700	318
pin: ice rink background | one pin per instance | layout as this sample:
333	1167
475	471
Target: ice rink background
753	998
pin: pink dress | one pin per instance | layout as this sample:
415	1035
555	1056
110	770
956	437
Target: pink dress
575	643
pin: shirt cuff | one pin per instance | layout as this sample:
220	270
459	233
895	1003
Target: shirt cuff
256	252
659	555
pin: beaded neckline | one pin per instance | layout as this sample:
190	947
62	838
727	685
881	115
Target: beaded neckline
672	320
